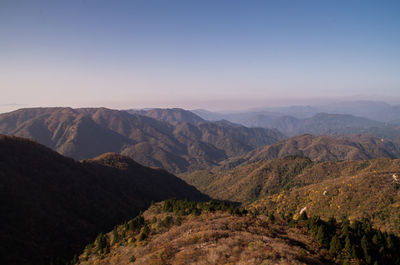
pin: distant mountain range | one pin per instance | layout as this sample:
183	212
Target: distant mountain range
374	110
52	205
187	143
320	123
377	118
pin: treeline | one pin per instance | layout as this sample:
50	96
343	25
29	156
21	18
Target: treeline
355	241
184	207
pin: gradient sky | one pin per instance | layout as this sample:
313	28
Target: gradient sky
197	54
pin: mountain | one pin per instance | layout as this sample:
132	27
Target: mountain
247	183
208	115
323	148
319	123
323	123
363	108
350	188
374	110
276	167
88	132
51	205
181	232
369	189
174	116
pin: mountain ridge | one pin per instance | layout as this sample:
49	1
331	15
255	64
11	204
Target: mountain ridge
88	132
53	205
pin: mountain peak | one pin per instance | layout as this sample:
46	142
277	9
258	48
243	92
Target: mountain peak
112	159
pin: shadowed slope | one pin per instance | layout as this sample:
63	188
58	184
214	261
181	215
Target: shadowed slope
52	205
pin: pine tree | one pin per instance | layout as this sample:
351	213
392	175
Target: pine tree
354	253
348	245
145	233
321	235
345	227
335	245
115	236
101	243
365	248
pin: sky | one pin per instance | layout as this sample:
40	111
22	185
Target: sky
218	55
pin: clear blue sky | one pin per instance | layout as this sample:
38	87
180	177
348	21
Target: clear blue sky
191	54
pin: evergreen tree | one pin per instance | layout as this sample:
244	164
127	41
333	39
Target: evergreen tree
145	233
335	245
347	245
322	235
115	236
365	248
101	243
345	227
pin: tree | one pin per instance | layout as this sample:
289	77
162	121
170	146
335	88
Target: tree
101	243
322	235
345	227
145	233
115	236
335	246
365	248
347	245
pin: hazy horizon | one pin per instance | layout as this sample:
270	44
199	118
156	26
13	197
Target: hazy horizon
213	106
224	55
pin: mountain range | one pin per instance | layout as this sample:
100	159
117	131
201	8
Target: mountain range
373	110
85	133
53	205
319	124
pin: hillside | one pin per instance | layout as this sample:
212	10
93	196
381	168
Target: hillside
323	148
51	205
178	232
354	189
85	133
173	116
370	192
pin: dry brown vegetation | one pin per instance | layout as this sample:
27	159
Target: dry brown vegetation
210	238
369	192
354	189
323	148
246	183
